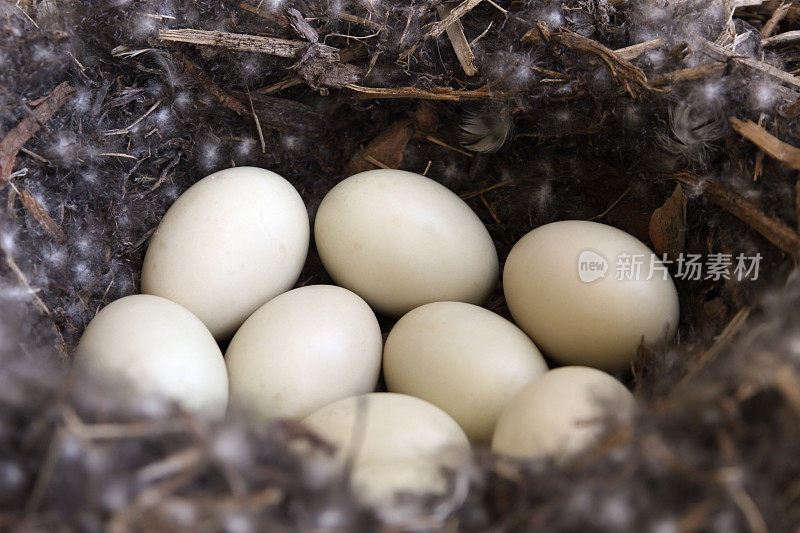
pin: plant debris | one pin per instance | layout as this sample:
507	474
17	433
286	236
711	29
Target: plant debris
572	109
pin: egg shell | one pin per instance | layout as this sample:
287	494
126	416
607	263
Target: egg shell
464	359
302	350
231	242
401	240
397	444
560	414
156	347
577	319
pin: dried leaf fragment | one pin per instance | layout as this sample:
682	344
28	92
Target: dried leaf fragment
387	148
668	225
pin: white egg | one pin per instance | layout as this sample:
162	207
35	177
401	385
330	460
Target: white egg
463	359
302	350
401	240
397	444
156	347
560	414
228	244
573	287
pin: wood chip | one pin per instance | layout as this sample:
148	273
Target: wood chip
668	225
772	146
27	128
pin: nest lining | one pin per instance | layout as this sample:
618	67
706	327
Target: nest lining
109	110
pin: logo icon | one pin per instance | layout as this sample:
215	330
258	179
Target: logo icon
591	266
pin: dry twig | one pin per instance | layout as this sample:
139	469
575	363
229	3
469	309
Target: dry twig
27	128
245	43
789	37
625	73
777	16
454	16
455	32
440	27
41	215
778	74
440	93
775	231
772	146
637	50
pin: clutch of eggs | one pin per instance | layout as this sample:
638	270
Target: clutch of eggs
226	253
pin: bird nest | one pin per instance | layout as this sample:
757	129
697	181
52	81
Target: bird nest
674	120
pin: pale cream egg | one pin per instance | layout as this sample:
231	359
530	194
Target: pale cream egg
560	414
589	294
401	240
397	444
462	358
228	244
302	350
156	347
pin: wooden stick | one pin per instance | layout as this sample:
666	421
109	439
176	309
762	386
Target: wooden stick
245	43
438	28
772	146
226	100
21	277
455	32
358	20
775	231
688	74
